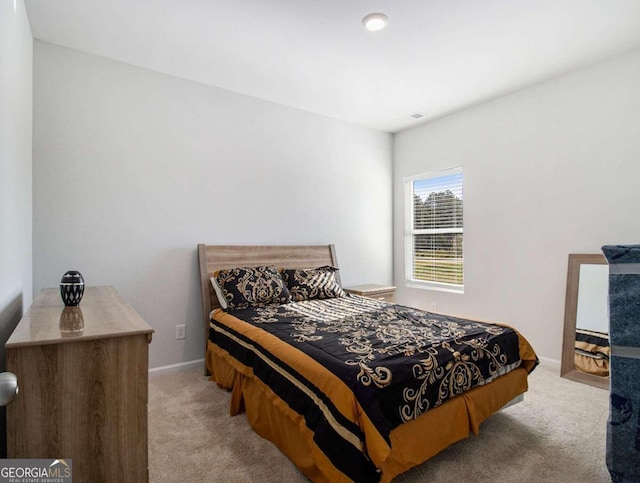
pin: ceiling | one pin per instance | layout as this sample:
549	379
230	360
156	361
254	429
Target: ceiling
435	57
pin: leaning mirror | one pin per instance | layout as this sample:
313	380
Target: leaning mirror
585	346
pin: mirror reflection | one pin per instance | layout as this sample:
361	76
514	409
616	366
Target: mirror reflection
592	338
585	353
71	321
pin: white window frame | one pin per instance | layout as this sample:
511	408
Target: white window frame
410	231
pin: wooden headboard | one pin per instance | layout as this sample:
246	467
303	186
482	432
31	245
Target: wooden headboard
217	257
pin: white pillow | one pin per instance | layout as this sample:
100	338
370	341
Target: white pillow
221	299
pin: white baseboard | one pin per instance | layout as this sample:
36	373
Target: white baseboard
185	366
173	368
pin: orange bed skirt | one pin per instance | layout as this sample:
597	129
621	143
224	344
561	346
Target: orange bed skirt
412	443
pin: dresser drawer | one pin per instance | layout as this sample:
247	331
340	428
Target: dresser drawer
83	392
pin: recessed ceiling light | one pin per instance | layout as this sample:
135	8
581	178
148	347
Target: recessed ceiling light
375	21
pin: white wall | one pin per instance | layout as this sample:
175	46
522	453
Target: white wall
133	168
548	171
16	62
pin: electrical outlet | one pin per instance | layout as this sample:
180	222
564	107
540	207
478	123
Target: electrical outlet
181	331
432	307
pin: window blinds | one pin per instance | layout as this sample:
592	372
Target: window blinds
435	231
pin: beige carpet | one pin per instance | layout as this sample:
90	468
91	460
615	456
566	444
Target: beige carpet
556	435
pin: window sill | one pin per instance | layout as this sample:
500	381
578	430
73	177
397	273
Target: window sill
431	286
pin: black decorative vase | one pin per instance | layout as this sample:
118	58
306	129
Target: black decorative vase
71	288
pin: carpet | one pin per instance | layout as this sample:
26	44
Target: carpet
556	435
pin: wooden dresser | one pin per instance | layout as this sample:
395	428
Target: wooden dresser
373	291
83	378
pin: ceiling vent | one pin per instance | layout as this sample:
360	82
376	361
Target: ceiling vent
416	115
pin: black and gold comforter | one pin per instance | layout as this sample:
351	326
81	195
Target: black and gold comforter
398	361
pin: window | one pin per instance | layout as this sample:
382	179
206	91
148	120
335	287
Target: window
433	235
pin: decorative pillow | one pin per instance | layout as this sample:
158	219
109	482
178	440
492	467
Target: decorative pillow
313	283
250	287
221	300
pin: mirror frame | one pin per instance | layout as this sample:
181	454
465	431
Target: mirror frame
567	367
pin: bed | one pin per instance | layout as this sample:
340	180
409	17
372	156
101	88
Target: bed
343	385
592	352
